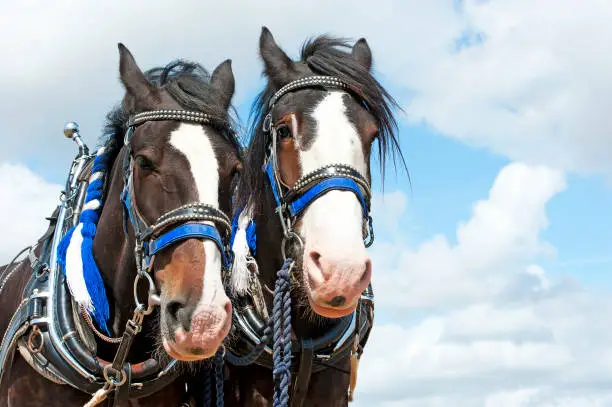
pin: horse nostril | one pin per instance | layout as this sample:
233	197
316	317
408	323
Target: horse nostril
179	314
316	259
337	301
173	308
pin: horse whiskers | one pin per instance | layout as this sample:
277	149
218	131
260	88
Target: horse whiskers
154	333
164	359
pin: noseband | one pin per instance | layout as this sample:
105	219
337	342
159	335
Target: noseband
195	220
292	202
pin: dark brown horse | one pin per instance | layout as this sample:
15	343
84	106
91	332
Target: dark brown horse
167	163
304	203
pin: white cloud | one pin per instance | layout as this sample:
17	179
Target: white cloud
536	89
478	322
26	199
489	326
502	234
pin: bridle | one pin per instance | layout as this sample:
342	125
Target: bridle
291	203
194	220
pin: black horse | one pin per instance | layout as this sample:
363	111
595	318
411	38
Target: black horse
303	207
153	221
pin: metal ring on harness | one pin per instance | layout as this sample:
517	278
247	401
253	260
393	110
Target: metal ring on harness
151	300
291	236
370	232
32	347
112	380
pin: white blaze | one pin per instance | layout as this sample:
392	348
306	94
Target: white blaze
332	224
193	142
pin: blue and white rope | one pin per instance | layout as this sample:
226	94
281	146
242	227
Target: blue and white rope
75	251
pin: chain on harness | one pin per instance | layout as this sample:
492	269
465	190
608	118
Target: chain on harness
194	220
290	205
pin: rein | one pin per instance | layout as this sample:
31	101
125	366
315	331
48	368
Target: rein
290	206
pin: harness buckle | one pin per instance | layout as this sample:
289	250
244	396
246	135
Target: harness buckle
267	123
370	232
128	135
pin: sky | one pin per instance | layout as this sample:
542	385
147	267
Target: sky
492	267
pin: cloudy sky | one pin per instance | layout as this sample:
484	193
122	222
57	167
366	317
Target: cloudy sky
492	269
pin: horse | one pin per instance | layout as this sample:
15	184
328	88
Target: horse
300	284
123	296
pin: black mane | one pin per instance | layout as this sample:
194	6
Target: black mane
189	84
324	55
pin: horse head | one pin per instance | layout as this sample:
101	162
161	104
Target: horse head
318	120
174	175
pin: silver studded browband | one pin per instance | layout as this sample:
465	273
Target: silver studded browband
324	81
192	212
181	115
331	170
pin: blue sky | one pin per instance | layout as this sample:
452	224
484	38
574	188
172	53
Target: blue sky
498	266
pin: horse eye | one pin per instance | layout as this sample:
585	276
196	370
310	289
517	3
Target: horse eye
144	163
283	132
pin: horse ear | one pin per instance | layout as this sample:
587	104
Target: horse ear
279	67
134	81
222	80
362	53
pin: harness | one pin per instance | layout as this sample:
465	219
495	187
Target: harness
55	338
348	336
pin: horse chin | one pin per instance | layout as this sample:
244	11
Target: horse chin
188	354
330	312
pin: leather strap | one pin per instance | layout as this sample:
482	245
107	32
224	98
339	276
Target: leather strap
12	334
122	393
302	379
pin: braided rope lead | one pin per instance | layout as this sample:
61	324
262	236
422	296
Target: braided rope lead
281	315
207	390
215	373
219	376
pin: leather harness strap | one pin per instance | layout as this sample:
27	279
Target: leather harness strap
302	380
122	393
17	327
